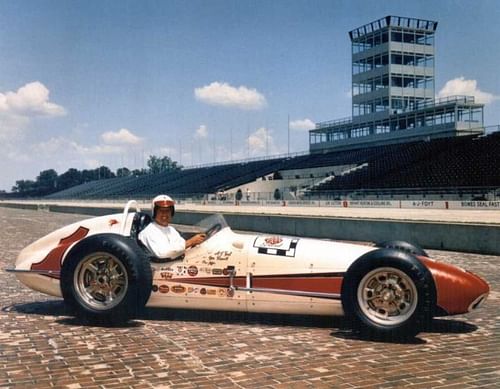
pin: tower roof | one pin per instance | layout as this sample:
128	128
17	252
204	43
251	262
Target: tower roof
394	21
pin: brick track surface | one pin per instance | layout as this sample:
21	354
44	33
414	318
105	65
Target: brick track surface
43	346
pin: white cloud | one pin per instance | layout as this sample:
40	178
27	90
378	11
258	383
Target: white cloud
29	101
92	163
121	137
69	150
17	109
59	153
168	151
13	155
97	149
223	94
302	124
201	132
261	141
257	141
461	86
10	128
53	146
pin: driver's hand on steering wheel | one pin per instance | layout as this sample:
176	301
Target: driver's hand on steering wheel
195	240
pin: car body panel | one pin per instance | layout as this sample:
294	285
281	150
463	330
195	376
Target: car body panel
242	272
47	254
458	290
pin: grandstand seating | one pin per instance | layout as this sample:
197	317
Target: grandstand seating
465	161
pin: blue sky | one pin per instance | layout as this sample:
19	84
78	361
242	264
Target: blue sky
87	83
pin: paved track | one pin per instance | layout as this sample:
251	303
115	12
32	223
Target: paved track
41	346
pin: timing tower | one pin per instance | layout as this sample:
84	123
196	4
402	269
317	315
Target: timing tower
393	93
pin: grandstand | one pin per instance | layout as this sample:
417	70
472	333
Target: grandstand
456	167
460	165
400	142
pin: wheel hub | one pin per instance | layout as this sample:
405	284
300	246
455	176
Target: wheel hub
387	295
101	280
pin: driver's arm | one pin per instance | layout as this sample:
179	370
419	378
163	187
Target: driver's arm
195	240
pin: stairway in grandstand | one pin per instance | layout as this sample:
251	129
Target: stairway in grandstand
465	161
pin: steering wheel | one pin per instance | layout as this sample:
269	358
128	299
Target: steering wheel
213	230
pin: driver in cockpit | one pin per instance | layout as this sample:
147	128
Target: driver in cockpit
161	239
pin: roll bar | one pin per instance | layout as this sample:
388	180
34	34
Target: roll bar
125	213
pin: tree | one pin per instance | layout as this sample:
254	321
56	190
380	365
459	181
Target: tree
139	172
161	164
104	172
24	187
89	175
46	182
123	172
49	182
71	177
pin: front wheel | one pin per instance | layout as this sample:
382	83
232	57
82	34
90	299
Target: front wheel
410	248
388	294
106	278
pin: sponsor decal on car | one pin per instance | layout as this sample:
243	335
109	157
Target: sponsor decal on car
192	271
230	292
164	289
276	245
220	256
203	291
166	275
217	272
154	288
211	292
222	292
178	289
112	222
273	241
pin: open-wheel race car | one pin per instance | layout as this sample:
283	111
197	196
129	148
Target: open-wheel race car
388	290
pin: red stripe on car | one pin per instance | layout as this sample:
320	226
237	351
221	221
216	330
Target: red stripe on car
53	259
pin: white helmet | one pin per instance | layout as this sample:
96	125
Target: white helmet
162	201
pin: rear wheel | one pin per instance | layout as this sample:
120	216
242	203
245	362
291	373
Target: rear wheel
106	278
388	294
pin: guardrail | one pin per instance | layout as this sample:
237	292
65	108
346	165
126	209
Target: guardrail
401	204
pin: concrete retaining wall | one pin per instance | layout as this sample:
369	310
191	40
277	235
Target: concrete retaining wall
474	238
483	239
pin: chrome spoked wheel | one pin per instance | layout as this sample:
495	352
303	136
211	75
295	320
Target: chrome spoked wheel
387	296
101	281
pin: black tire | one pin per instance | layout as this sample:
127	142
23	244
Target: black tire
410	248
106	278
388	294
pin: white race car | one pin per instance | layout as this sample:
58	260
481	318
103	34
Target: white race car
389	290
